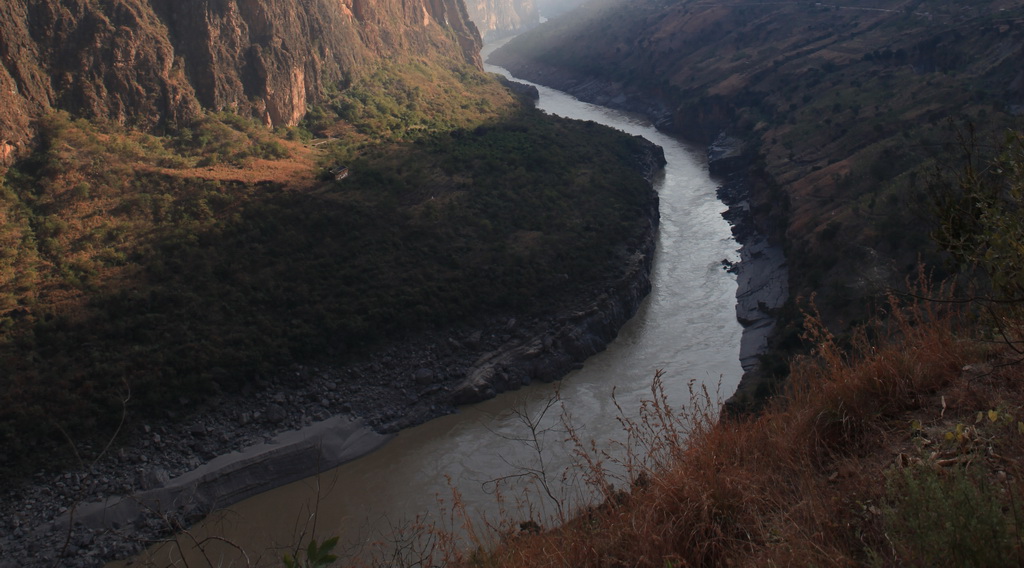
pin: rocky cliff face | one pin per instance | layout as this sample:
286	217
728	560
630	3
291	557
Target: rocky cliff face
150	62
500	18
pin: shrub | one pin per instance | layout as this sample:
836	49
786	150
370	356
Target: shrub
980	207
953	517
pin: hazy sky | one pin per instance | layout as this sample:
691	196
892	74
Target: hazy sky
549	8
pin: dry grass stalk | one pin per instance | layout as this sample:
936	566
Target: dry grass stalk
777	489
807	482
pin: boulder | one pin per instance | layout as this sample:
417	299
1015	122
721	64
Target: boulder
423	376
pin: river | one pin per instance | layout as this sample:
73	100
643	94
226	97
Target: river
687	328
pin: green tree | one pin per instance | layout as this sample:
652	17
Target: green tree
317	555
980	210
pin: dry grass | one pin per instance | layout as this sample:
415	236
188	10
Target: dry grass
296	172
900	451
804	483
904	451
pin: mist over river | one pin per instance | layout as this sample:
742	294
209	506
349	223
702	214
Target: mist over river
687	327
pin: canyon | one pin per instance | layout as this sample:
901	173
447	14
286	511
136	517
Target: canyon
844	115
821	121
181	281
501	18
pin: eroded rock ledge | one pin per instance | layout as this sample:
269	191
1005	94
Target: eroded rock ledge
174	471
762	274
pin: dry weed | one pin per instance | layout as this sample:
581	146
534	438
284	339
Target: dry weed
796	485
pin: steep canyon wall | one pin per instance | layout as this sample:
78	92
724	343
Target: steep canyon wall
149	62
500	18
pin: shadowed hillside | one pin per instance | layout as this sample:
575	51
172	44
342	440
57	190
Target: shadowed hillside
899	446
842	114
153	258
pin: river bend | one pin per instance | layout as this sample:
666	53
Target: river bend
687	327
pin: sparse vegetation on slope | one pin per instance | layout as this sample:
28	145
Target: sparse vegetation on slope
905	453
141	266
900	445
846	108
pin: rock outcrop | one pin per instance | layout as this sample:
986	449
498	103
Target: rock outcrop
147	63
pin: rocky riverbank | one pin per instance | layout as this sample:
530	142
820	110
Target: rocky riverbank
762	275
56	518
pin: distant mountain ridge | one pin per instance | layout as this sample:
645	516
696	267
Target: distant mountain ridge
149	62
500	18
